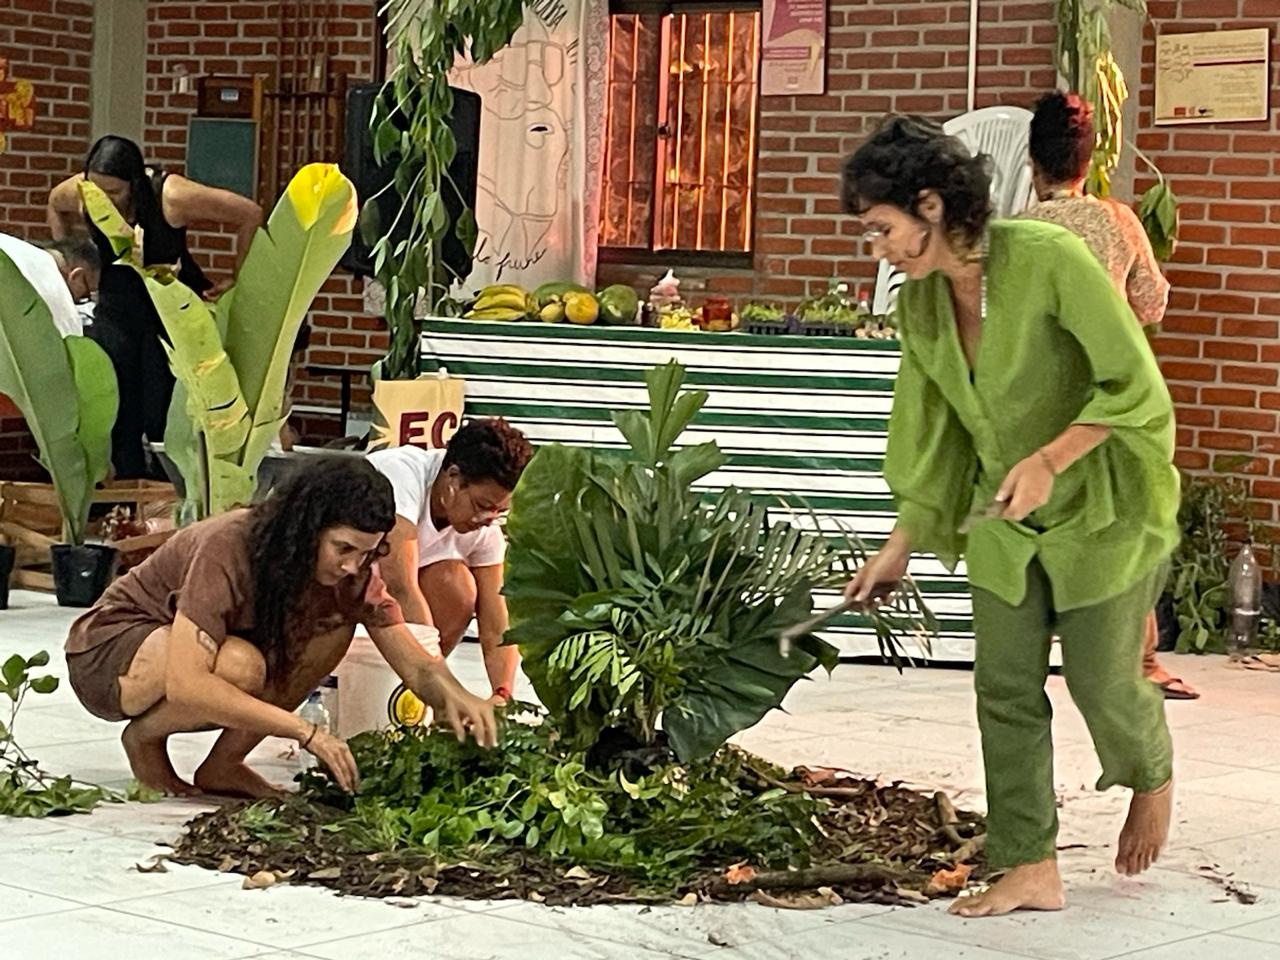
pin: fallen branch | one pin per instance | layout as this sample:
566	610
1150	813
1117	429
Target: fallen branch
812	878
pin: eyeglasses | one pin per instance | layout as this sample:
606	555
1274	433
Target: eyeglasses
485	514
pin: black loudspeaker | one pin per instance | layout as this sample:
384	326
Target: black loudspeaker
362	169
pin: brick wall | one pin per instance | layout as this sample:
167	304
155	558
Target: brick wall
908	56
1219	349
48	42
202	37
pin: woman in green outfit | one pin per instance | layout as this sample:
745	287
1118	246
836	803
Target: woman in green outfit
1031	433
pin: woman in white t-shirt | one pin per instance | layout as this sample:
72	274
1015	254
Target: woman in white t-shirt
444	564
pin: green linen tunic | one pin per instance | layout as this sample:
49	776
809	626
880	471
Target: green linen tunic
1059	346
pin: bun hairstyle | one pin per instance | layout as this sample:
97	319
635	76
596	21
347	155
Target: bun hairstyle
1062	137
909	155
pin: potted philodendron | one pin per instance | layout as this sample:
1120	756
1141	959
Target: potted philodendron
66	390
231	360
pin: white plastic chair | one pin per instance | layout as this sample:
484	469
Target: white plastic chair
1002	133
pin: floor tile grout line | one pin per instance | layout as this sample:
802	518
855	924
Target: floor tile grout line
208	933
953	944
1162	946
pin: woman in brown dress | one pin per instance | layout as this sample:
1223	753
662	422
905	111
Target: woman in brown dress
237	618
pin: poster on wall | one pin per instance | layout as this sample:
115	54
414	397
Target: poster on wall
541	146
793	57
1219	77
17	103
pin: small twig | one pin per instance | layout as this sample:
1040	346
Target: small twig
948	818
969	849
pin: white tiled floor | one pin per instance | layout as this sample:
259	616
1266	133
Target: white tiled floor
70	887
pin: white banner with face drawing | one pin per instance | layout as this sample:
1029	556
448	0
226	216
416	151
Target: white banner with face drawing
541	146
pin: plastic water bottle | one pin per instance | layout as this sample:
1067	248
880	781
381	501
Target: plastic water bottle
329	699
1246	602
313	711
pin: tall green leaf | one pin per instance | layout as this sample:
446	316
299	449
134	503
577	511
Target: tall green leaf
98	400
36	375
287	264
213	397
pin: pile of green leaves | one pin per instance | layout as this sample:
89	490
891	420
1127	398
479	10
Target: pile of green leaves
659	827
1201	565
25	789
639	603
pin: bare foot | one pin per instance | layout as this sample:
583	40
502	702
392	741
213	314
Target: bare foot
1031	886
235	780
1145	830
149	761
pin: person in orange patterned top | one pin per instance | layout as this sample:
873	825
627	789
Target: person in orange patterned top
1061	146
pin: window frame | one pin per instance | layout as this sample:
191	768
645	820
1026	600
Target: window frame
648	256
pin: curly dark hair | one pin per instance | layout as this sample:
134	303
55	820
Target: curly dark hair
1062	136
284	537
489	450
908	155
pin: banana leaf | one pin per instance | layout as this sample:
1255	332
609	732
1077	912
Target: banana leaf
124	239
287	264
72	432
98	399
212	391
232	367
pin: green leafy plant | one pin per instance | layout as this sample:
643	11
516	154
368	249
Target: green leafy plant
638	602
231	362
426	791
26	790
411	128
1084	58
836	306
65	389
1202	564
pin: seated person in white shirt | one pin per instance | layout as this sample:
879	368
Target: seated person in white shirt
64	273
445	557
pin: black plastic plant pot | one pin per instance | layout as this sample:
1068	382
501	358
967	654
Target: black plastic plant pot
81	574
7	555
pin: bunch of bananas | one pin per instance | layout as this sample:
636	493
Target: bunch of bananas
502	302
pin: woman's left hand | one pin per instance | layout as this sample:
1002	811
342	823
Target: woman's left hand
1026	489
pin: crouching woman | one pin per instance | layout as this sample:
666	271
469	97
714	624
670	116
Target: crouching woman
237	618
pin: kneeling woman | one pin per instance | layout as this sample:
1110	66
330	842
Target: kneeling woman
236	619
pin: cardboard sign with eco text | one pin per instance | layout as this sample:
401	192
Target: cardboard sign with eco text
425	412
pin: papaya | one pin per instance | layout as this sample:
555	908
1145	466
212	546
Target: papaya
619	304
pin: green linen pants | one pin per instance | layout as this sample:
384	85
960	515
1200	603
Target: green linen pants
1102	665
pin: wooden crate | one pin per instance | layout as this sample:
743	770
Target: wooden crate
31	522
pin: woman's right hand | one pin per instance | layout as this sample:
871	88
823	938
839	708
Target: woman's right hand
879	576
336	756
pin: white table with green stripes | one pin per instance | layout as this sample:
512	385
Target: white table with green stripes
802	419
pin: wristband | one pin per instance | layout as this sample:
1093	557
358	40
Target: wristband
503	691
315	727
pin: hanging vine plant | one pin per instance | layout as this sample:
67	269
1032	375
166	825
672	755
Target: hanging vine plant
411	129
1084	58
